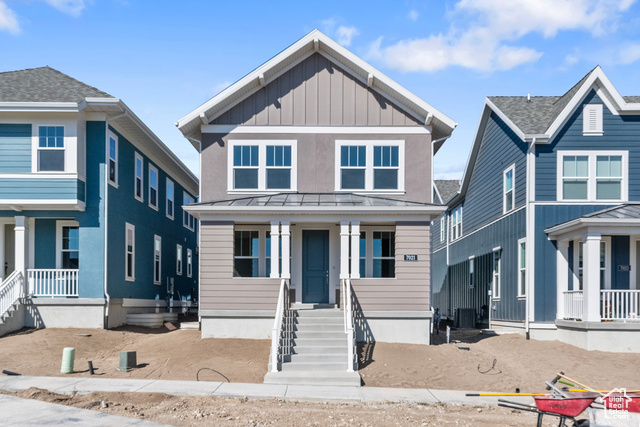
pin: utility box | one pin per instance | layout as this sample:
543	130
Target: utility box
465	318
127	361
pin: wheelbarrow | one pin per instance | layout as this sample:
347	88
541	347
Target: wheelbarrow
565	406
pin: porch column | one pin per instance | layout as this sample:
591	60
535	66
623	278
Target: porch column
355	249
275	240
562	275
21	248
286	239
591	277
344	249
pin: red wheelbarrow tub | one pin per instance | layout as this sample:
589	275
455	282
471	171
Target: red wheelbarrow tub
622	402
570	406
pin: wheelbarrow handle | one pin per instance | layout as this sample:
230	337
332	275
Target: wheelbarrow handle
555	380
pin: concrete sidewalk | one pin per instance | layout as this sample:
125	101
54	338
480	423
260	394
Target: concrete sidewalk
68	385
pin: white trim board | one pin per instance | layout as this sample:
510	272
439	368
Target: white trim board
357	130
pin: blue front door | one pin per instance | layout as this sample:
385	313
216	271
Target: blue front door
315	266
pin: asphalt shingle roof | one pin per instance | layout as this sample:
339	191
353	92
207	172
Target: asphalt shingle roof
44	84
447	189
313	199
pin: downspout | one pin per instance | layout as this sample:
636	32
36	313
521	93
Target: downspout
106	214
529	237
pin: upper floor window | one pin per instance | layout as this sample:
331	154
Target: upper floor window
187	219
262	165
153	187
139	177
592	120
370	165
51	149
509	192
113	158
456	223
170	198
592	175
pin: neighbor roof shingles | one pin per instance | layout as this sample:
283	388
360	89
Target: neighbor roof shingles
44	84
447	188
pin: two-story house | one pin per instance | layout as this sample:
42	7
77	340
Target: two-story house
543	236
316	185
91	218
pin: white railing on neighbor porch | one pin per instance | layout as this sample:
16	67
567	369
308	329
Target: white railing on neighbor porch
573	304
10	290
349	330
282	330
53	282
620	304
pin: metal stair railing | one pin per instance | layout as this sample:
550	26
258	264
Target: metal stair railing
282	331
10	291
348	322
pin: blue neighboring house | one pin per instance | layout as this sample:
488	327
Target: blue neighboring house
544	235
91	218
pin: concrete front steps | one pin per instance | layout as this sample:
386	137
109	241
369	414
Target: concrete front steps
319	350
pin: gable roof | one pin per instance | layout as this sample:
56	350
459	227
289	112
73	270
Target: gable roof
447	189
314	42
538	119
44	84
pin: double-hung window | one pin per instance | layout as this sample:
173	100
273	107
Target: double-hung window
262	165
157	259
68	245
246	253
370	166
508	190
153	187
130	253
456	223
187	219
384	254
189	263
170	198
113	158
522	267
51	149
592	175
179	260
139	177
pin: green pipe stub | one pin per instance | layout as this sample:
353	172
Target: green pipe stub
68	354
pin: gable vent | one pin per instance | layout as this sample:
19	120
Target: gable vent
592	120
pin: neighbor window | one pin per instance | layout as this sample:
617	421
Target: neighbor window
179	260
70	247
130	257
370	165
495	283
170	198
363	254
384	254
51	149
187	219
442	229
262	165
139	171
456	223
157	259
592	120
153	187
522	267
189	263
508	194
113	159
592	175
472	262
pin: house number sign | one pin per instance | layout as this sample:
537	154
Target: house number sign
411	257
624	268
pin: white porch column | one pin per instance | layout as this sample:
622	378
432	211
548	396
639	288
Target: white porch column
355	249
275	240
562	275
21	245
591	277
286	245
344	249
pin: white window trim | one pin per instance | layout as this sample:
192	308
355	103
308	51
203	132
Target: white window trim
472	270
368	264
262	249
111	135
588	110
607	263
262	165
511	168
173	199
137	157
368	174
154	169
184	193
496	280
456	236
133	252
59	226
157	238
70	150
179	260
442	229
591	179
189	262
520	284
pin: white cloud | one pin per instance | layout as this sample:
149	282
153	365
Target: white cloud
345	34
629	54
482	33
413	15
70	7
569	61
8	19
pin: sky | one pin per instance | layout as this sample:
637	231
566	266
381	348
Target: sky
166	58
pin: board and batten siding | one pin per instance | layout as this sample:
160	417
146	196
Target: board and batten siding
15	148
219	290
409	290
316	92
